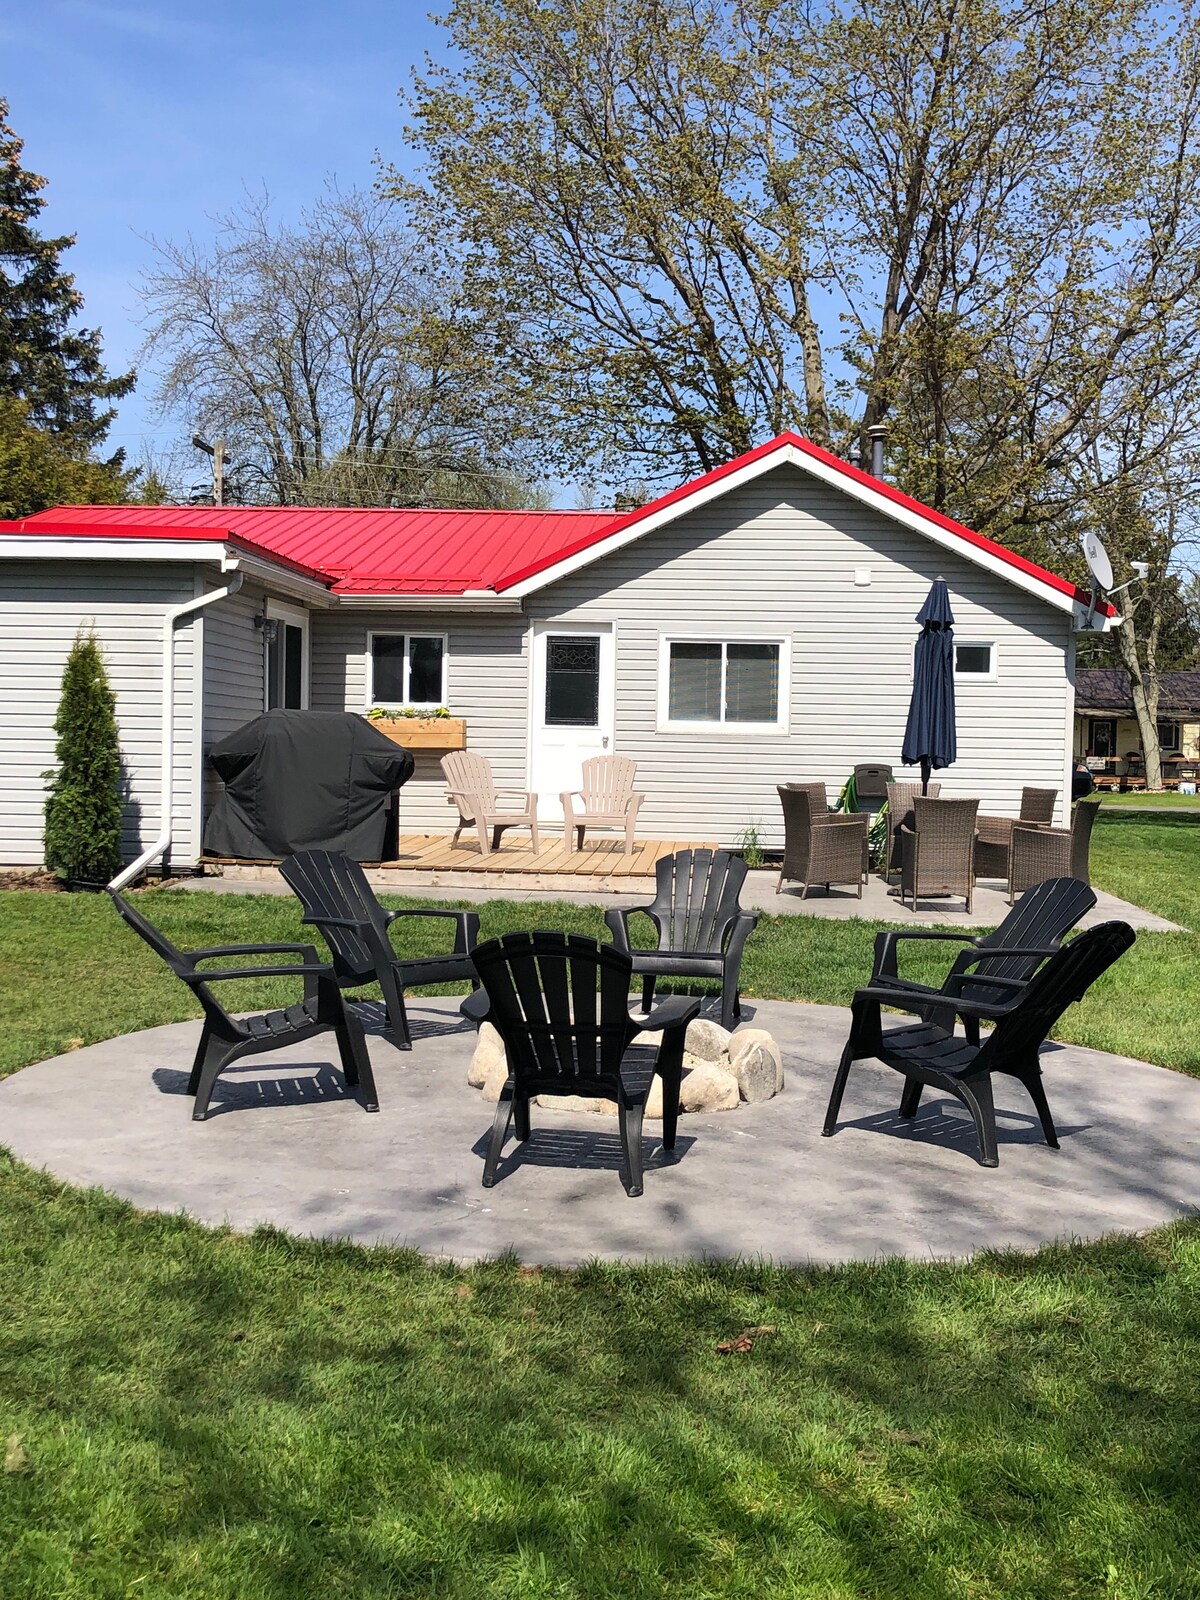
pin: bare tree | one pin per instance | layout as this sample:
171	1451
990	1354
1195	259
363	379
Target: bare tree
337	356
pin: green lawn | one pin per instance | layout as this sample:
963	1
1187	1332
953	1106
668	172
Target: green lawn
1170	801
194	1415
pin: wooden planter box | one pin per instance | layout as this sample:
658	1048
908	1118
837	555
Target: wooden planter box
424	733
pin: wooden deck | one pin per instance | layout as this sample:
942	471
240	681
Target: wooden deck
430	860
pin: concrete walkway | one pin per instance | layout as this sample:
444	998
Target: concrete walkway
877	905
286	1145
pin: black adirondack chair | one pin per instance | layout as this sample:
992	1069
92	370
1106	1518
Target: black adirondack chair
1032	930
338	900
226	1039
561	1005
928	1054
702	929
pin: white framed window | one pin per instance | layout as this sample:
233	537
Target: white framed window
1168	737
975	659
722	684
406	669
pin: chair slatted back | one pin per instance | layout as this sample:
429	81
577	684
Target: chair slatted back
1065	979
560	1002
607	783
1041	918
1037	805
1082	824
468	773
697	899
329	884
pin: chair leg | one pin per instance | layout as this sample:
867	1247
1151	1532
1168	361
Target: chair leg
457	833
731	1006
580	835
202	1050
216	1060
910	1100
670	1100
648	983
971	1030
838	1090
629	836
485	845
629	1117
1037	1093
356	1060
504	1111
533	835
397	1012
976	1095
521	1116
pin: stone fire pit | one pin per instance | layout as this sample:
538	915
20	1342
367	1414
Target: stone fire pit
720	1070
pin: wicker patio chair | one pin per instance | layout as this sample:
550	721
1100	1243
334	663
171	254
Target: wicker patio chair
900	797
996	962
605	800
871	779
994	834
937	856
701	927
474	792
1039	853
560	1003
927	1054
820	846
225	1039
338	900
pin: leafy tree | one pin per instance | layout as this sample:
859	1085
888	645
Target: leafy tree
83	807
54	369
337	358
36	470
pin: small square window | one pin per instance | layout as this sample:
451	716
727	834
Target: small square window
974	660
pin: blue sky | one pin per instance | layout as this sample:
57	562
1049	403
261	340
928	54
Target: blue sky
147	119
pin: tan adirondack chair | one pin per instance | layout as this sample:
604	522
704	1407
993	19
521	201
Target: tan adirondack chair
605	799
474	792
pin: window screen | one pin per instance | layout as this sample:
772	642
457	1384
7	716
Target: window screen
752	683
572	682
694	693
425	671
973	658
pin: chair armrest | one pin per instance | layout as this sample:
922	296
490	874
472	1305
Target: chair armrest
309	970
525	794
675	1012
306	950
466	930
617	920
1042	829
999	951
476	1007
741	928
337	922
912	1000
886	941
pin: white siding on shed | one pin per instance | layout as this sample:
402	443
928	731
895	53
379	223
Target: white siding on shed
777	558
43	604
487	676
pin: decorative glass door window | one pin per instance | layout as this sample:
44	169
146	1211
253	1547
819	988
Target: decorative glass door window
572	681
408	669
734	681
1102	738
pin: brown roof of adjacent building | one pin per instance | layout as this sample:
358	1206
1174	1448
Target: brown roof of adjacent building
1104	691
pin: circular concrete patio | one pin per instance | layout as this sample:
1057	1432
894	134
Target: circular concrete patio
286	1145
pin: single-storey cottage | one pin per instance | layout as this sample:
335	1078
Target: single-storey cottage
1106	730
751	628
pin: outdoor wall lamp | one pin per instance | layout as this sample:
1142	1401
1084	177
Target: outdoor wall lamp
269	626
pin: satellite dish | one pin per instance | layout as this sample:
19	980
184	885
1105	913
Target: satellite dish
1097	560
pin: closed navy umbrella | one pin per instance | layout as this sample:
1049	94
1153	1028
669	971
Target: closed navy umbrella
929	737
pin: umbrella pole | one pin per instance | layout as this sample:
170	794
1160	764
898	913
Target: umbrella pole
925	770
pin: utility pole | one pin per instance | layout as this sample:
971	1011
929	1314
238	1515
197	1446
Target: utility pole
217	452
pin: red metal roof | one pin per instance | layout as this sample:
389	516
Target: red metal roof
423	552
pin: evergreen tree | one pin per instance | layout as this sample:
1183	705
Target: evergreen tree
56	370
83	808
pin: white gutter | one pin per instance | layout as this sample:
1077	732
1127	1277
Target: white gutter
170	620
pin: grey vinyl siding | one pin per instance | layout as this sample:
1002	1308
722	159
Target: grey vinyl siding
776	559
487	680
42	606
234	674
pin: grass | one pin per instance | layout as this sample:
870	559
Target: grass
1169	801
194	1415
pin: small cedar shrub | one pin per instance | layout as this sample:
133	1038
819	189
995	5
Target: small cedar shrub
83	807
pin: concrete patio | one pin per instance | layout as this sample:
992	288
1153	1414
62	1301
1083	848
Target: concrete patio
286	1145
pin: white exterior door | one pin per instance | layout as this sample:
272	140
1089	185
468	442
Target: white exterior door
573	696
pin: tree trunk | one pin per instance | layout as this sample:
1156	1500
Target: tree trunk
1144	687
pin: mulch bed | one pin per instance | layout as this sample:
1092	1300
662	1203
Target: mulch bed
36	882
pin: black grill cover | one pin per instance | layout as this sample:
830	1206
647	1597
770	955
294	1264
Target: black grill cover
304	780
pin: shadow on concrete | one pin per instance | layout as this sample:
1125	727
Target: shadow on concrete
947	1125
579	1150
268	1090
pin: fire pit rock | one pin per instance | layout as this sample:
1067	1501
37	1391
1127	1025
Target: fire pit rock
720	1071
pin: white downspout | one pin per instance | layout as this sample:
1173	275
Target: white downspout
170	620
